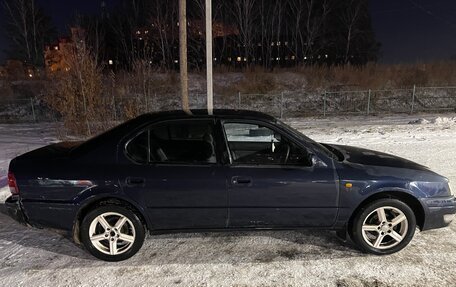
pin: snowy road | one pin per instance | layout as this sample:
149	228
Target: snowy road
33	257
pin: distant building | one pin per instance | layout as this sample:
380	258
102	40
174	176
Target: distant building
55	54
3	72
149	39
15	69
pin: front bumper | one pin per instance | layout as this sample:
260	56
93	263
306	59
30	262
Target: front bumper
439	211
14	209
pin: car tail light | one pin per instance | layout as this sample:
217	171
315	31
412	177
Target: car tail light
12	184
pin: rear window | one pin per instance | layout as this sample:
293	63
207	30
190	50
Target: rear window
105	137
175	142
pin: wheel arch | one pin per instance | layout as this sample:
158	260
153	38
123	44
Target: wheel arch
92	203
403	196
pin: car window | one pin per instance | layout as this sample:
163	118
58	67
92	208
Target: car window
138	148
183	142
175	142
256	144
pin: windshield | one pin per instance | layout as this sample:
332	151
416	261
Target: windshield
301	136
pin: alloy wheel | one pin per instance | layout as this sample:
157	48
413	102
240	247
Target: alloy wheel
112	233
385	227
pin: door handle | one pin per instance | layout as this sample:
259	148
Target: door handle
135	181
241	180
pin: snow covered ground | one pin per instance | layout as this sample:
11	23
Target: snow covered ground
36	257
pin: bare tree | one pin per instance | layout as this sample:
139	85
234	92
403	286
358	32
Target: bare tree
18	12
28	29
315	19
350	18
243	12
76	92
296	12
159	24
124	25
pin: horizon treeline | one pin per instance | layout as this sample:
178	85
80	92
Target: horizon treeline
264	33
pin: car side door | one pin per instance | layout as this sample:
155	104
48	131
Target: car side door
274	181
173	168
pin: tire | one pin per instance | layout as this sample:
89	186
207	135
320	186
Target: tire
386	236
112	232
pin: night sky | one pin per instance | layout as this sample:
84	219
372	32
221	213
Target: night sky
409	30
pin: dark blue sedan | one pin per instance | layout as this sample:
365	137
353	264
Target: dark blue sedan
233	170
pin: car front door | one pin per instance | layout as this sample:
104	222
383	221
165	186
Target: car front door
173	169
274	181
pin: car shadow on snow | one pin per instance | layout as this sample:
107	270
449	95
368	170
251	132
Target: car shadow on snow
45	239
245	247
232	247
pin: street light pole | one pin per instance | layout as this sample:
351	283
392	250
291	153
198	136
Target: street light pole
210	86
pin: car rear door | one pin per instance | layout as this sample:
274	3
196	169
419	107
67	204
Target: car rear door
182	185
265	191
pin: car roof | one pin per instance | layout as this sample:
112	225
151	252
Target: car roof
121	130
198	113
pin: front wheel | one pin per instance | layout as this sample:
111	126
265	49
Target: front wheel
112	232
384	226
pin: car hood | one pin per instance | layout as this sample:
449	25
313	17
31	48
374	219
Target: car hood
363	156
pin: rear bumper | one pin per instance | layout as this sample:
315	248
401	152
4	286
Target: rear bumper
440	212
15	210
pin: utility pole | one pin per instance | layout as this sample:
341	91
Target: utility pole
183	55
209	79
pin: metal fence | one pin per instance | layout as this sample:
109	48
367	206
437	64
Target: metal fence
283	104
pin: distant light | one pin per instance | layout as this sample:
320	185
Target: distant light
111	62
277	58
229	59
176	61
326	56
293	57
215	59
305	58
56	47
30	75
245	59
239	59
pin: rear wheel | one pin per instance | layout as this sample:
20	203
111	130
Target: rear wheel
384	226
112	233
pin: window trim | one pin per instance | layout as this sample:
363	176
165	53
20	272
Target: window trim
274	129
148	127
130	139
